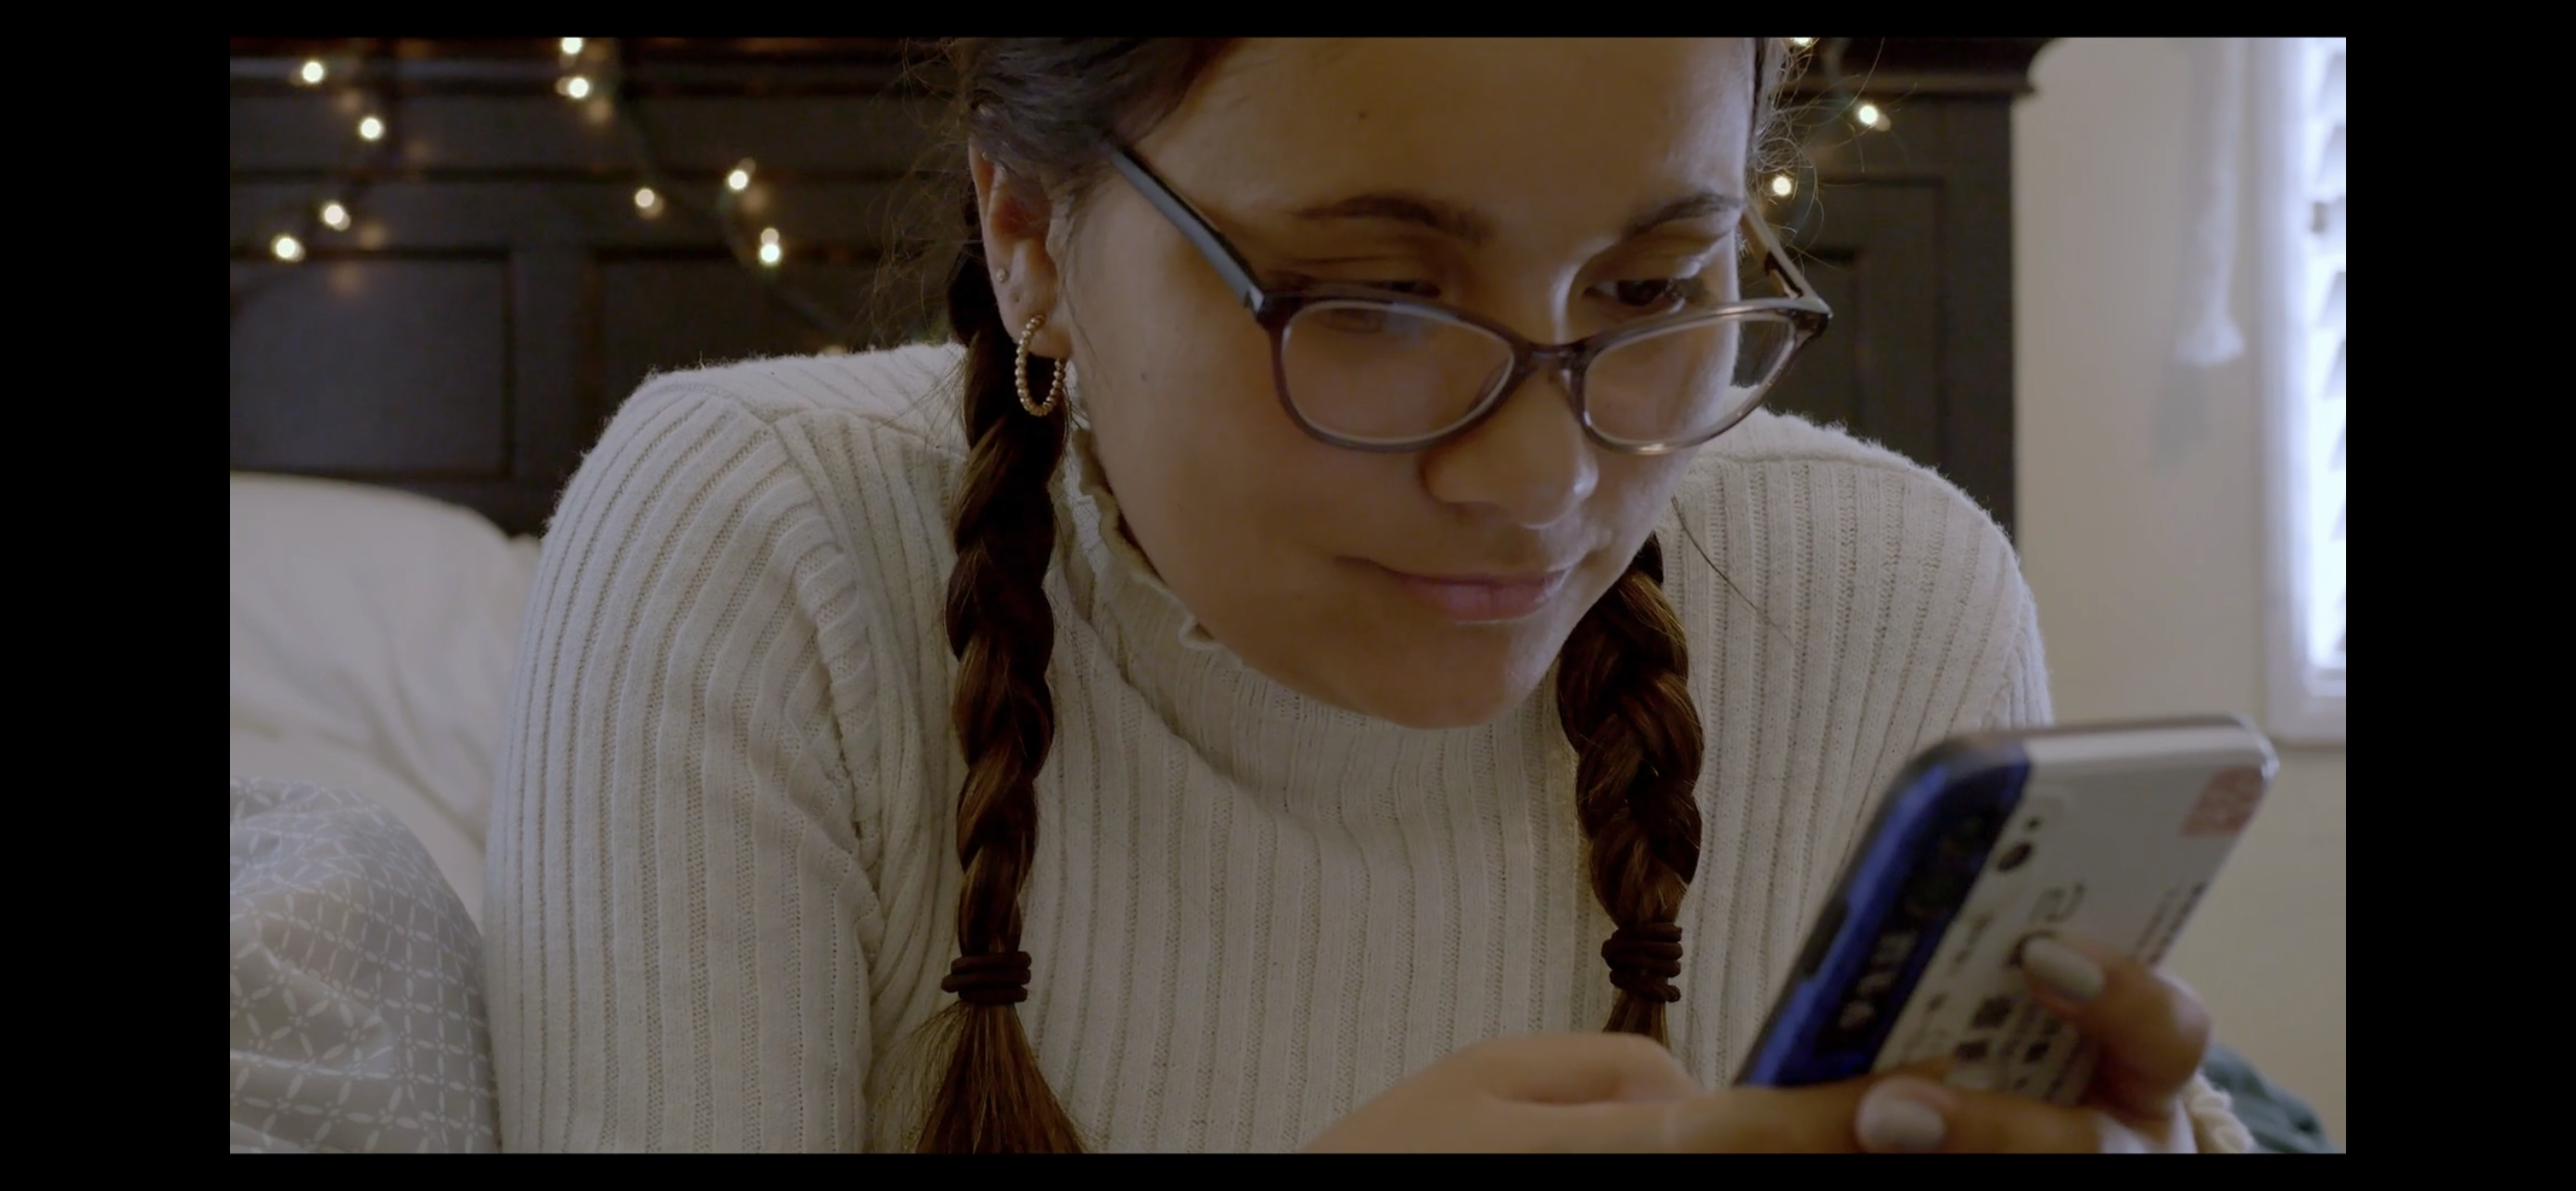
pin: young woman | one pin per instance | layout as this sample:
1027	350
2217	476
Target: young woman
1334	658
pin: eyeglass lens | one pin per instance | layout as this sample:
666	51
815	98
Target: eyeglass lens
1374	373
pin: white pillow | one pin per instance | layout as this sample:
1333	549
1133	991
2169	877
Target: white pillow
372	638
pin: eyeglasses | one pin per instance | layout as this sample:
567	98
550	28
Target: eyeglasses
1356	367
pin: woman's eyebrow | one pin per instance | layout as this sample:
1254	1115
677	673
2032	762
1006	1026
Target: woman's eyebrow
1689	206
1448	219
1473	229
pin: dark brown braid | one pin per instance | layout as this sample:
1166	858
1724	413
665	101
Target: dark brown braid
1042	110
1625	704
1002	631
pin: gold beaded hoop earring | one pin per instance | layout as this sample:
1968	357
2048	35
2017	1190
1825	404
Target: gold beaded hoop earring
1020	373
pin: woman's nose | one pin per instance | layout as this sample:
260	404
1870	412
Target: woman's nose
1529	461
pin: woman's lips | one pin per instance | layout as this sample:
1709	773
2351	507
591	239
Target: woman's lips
1480	598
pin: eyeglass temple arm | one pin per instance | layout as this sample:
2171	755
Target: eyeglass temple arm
1776	260
1236	274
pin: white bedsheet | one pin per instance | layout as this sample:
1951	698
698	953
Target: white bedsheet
372	634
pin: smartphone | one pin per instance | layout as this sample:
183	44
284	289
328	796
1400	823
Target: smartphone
2110	832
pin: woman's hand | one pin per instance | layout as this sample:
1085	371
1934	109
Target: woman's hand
1622	1093
1590	1093
2154	1035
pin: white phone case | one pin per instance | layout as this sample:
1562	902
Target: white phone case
2116	837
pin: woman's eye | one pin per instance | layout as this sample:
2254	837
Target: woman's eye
1401	289
1652	294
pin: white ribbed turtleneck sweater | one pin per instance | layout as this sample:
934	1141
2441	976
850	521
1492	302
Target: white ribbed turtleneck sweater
723	869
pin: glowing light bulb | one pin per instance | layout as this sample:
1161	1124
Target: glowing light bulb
1870	117
645	199
335	216
312	72
1802	42
573	86
571	46
740	179
770	253
287	248
768	237
1782	186
371	129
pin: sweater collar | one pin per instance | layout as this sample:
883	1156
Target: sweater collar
1305	755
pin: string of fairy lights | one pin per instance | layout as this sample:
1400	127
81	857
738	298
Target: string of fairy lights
587	76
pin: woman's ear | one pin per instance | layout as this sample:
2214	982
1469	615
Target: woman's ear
1016	219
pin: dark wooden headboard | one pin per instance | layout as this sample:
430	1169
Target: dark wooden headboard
498	292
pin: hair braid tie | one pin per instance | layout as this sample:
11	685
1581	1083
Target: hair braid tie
989	979
1644	959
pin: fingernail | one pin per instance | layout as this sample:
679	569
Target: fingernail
2065	971
1892	1121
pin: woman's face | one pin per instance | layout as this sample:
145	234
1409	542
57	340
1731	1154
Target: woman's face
1430	589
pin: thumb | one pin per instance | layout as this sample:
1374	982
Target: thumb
1579	1069
1816	1119
1664	1126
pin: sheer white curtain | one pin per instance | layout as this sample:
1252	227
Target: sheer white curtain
2300	194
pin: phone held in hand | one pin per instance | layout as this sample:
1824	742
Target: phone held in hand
2111	833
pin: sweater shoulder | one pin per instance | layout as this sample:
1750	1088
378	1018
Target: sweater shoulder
873	437
1876	571
1773	446
1776	437
906	391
